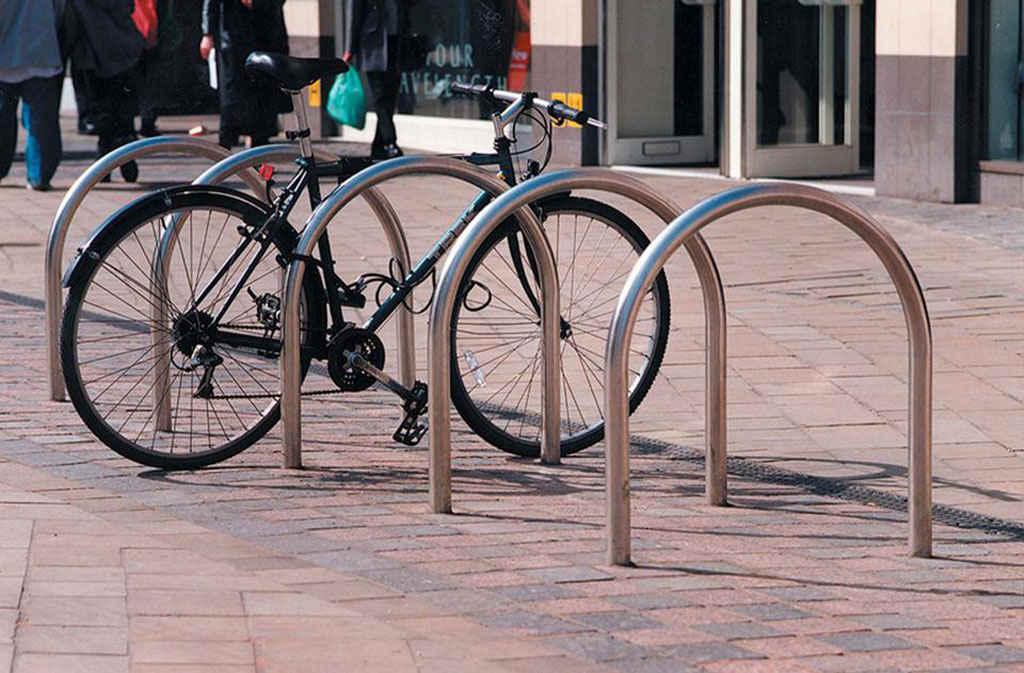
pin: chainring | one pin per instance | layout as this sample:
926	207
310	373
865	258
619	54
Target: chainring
354	340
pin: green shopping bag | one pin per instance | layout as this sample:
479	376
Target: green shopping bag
347	103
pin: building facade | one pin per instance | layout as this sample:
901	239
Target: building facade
925	95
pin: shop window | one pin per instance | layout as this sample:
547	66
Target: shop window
474	41
1003	80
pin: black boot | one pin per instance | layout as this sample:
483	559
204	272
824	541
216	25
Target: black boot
130	170
147	127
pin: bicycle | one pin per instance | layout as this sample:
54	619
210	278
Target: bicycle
209	329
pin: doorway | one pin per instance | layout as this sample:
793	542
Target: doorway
802	87
661	81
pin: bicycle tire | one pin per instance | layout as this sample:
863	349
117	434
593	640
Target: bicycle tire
581	427
95	316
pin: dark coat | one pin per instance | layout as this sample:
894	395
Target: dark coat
246	106
366	34
101	36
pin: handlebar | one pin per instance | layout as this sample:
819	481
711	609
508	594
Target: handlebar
556	109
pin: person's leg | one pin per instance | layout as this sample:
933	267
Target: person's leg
40	115
384	93
8	125
80	80
102	112
147	104
125	91
385	100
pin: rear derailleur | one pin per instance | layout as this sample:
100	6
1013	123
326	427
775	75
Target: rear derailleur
203	356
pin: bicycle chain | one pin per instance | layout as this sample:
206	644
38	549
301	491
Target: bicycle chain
308	393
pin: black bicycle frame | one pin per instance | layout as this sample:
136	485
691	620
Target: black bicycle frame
273	231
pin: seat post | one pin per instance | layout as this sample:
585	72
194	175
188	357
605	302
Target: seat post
302	121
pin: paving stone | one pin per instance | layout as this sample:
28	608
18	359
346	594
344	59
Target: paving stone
72	639
568	574
996	654
469	602
536	592
79	663
405	579
867	641
658	665
798	594
770	611
653	601
596	647
696	653
738	630
887	622
538	624
350	560
615	622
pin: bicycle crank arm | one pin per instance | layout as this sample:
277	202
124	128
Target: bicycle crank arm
357	361
410	430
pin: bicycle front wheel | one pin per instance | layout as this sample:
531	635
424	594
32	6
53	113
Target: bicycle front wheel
170	344
496	340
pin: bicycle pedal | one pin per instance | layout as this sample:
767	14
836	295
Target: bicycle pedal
410	431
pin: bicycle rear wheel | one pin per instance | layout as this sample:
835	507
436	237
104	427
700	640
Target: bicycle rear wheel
162	374
496	362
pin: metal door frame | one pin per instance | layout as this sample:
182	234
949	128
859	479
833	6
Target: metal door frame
805	159
692	149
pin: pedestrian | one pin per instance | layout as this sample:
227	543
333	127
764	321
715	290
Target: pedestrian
107	47
32	70
374	35
236	28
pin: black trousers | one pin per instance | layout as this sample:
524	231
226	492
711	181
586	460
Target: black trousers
384	89
113	102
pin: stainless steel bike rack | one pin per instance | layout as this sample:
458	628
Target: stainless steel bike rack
440	327
242	163
685	228
360	184
52	293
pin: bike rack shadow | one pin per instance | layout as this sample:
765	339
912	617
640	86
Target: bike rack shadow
465	248
641	279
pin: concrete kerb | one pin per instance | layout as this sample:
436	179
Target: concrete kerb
455	266
291	379
682	230
52	292
242	163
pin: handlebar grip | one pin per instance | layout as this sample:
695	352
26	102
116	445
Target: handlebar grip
458	87
563	111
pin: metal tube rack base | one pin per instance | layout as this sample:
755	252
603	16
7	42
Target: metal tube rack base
639	282
505	206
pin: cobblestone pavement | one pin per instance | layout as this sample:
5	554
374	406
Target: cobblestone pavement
109	566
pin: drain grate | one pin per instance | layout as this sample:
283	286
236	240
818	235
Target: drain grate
833	488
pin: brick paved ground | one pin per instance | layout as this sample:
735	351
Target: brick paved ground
107	566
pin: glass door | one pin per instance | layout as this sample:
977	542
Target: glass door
802	87
660	81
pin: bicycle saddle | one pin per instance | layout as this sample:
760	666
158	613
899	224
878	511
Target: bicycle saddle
290	72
